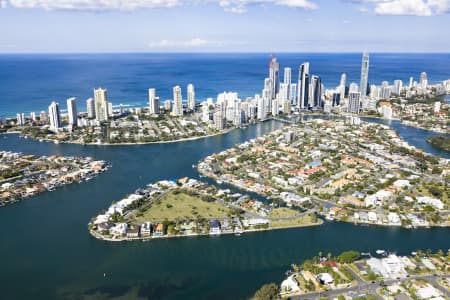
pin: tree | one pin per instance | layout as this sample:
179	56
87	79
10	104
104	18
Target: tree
268	291
348	256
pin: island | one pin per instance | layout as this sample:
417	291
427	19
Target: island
23	176
189	207
350	171
355	275
440	142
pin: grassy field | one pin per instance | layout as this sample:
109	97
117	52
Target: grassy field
302	221
283	212
182	206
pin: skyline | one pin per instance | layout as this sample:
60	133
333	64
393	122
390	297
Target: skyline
336	26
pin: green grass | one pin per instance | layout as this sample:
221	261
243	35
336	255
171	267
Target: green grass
181	207
297	222
283	212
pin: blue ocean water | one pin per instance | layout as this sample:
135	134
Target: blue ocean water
31	82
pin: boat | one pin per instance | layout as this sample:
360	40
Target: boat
380	252
193	166
56	142
328	218
219	181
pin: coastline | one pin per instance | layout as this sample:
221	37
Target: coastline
147	238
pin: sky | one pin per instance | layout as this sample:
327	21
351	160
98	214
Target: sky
100	26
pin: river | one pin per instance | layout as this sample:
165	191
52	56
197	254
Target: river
47	253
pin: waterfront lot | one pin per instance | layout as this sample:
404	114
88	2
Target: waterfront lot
179	205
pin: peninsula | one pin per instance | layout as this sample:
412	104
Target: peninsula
349	170
189	207
23	176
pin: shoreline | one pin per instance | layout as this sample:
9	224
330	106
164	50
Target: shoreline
147	238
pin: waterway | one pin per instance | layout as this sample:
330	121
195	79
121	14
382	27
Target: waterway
47	253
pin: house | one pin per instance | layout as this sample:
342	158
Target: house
146	229
214	227
394	219
159	230
290	285
133	232
325	278
372	216
119	229
428	292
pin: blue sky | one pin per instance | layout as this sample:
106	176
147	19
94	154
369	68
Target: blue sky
35	26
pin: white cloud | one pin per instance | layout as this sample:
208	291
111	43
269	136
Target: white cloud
93	5
234	6
409	7
193	43
241	6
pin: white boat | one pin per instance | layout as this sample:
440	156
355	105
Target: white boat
380	252
219	181
56	142
329	218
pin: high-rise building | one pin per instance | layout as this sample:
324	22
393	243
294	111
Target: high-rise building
153	102
423	80
398	85
20	119
315	96
90	108
55	117
364	75
190	97
33	116
101	104
293	93
287	75
411	80
274	76
303	86
167	105
219	120
354	102
177	108
342	85
336	98
261	113
72	111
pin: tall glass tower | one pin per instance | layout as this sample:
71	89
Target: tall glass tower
364	75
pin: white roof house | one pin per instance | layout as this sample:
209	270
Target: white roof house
290	285
428	292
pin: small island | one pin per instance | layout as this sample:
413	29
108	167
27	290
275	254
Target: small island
440	142
23	176
355	275
349	171
189	207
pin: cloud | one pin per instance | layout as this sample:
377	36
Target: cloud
193	43
241	6
233	6
408	7
93	5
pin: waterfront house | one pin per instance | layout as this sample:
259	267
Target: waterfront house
133	232
214	227
289	285
146	229
159	230
325	278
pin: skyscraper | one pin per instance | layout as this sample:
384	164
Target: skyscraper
72	111
20	119
90	108
274	76
364	75
153	102
177	108
101	104
423	80
353	102
190	97
55	118
315	92
342	85
287	76
303	86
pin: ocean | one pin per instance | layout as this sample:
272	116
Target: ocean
30	82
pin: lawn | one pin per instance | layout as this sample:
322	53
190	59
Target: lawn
297	222
182	206
283	212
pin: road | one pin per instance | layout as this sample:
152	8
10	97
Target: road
371	287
